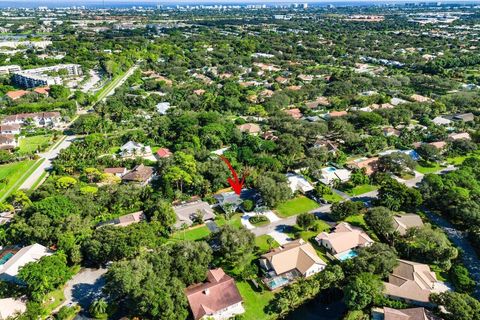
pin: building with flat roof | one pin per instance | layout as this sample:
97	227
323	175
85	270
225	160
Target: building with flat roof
38	77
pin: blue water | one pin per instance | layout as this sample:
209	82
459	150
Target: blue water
347	255
5	258
277	282
330	169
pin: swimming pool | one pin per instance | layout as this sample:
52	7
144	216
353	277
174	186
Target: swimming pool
346	255
277	282
5	258
330	169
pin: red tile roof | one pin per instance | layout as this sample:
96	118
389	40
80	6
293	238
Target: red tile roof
42	90
14	95
218	293
164	153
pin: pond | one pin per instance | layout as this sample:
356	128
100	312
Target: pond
327	306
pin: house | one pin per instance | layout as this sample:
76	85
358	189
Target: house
439	144
320	101
402	222
458	136
133	149
305	77
370	164
403	314
119	171
163	107
199	92
230	201
125	220
290	261
419	98
343	240
140	174
331	174
388	132
163	153
465	117
294	113
298	183
39	119
8	142
269	135
10	129
188	212
412	282
12	259
250	128
281	80
325	143
17	94
10	307
294	88
218	298
441	121
336	114
42	90
397	101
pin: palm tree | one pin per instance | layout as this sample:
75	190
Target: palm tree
98	307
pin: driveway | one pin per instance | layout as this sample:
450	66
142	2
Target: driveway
280	237
85	287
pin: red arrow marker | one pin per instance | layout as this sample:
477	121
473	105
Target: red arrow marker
235	183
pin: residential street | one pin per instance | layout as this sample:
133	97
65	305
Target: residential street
47	163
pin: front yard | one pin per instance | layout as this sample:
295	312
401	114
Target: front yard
296	206
12	175
361	189
192	234
427	168
29	145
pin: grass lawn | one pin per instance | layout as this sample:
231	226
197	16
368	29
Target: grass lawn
53	300
459	160
254	302
262	243
261	223
114	149
441	274
29	145
332	198
193	234
357	220
361	189
296	206
235	220
14	174
309	236
426	168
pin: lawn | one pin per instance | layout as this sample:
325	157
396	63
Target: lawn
296	206
29	145
254	302
459	160
192	234
53	300
332	198
361	189
262	243
357	220
235	220
12	175
427	168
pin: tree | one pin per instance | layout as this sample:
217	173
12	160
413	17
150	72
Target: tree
98	308
362	291
379	259
397	163
397	196
273	188
45	275
427	245
380	219
458	306
192	260
160	211
234	245
429	153
342	210
461	279
59	92
305	220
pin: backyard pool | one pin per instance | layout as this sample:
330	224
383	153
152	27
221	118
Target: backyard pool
346	255
5	258
277	282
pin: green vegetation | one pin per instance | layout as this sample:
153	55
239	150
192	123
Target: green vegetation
14	174
254	301
28	145
265	243
361	189
332	198
296	206
192	234
430	168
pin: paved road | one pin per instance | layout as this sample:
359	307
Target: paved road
47	163
122	80
84	288
469	256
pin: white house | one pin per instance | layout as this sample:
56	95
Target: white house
133	149
15	259
330	174
298	183
163	107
